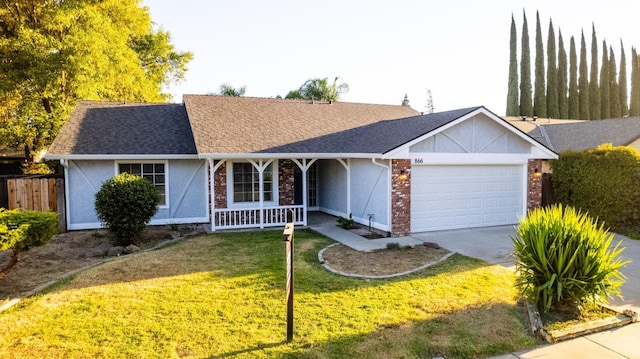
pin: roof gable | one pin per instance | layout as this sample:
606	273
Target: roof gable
460	136
111	128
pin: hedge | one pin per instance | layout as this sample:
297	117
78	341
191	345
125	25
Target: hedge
20	230
603	182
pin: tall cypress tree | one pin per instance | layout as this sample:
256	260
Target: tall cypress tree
614	88
563	108
634	100
573	103
539	95
513	108
583	83
594	96
622	82
526	103
553	110
604	91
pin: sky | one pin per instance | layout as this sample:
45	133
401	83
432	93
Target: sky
458	50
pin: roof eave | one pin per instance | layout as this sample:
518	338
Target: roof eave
102	157
262	155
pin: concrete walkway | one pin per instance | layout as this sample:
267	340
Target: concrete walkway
493	245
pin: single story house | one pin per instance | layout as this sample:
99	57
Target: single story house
241	162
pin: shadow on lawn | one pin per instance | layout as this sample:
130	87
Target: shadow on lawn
480	331
250	258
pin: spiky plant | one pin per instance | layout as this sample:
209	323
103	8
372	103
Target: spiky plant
564	259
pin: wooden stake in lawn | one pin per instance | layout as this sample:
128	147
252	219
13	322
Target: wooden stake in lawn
288	238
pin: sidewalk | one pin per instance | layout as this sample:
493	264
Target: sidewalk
493	245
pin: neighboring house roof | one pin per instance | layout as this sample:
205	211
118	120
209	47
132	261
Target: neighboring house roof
533	129
376	138
237	125
580	136
111	128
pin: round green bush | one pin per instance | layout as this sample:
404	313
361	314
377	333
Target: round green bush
564	259
126	203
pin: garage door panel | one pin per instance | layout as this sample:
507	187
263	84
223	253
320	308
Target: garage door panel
449	197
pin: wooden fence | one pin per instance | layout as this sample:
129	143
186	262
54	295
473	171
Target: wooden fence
36	194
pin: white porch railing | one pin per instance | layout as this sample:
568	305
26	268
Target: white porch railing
234	218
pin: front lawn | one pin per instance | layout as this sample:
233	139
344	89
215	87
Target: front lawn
223	296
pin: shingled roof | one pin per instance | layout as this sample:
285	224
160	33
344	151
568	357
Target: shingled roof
111	128
376	138
236	125
590	134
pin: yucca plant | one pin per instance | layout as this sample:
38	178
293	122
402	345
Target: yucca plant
564	259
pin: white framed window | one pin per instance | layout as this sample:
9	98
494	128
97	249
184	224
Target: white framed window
156	172
243	181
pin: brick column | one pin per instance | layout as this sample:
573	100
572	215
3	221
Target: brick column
286	182
400	198
220	183
534	184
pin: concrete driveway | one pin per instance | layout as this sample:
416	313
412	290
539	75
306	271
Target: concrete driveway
493	244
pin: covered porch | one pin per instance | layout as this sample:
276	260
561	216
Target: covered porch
260	193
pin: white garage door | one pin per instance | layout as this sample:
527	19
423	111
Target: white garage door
450	197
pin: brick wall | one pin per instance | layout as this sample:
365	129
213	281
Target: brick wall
534	184
400	198
286	182
220	183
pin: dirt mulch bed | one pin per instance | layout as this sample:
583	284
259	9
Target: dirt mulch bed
380	263
64	253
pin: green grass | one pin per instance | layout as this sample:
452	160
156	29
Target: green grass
223	295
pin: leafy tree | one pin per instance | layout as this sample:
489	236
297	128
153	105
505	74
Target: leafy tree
614	88
539	96
320	89
126	203
228	90
573	104
634	100
583	83
594	95
56	52
563	106
605	109
622	82
526	102
512	89
553	110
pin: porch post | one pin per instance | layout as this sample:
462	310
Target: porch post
347	166
304	167
261	166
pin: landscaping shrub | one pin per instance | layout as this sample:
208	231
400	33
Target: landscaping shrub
126	203
346	223
564	259
20	230
602	182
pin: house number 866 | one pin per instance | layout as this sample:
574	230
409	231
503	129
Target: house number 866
418	160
